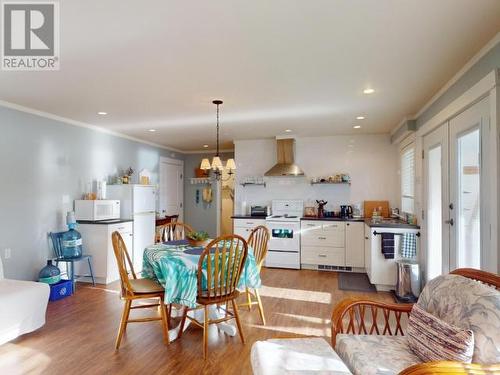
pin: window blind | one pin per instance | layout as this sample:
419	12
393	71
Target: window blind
408	180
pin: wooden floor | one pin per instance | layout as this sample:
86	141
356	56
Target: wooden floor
80	331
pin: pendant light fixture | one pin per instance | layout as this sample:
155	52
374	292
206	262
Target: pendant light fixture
216	164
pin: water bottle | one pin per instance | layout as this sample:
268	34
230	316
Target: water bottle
71	241
49	274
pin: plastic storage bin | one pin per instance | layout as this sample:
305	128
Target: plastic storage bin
60	290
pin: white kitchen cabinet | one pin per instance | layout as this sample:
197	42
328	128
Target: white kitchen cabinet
322	243
355	244
96	239
243	226
382	272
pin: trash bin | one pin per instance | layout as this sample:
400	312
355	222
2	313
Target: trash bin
408	281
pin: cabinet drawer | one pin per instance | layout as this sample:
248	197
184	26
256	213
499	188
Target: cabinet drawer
248	223
323	255
323	238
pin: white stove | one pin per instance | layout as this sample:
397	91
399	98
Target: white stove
284	228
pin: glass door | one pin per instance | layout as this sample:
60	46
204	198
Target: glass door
467	235
436	197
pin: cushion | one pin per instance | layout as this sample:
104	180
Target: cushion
467	304
374	354
295	356
435	340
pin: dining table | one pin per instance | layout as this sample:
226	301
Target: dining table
174	264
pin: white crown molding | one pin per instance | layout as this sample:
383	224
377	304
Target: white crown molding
81	124
482	52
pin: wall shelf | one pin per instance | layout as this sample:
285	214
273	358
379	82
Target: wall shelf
244	184
331	183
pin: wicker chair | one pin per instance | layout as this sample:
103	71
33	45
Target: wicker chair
258	240
219	270
364	317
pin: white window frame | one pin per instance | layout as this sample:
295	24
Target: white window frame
405	147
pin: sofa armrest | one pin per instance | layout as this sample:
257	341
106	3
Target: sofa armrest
361	316
451	368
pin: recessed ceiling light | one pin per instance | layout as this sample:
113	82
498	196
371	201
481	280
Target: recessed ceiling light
151	130
360	118
102	113
205	146
368	91
357	126
288	130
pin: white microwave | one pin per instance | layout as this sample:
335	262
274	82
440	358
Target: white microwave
95	210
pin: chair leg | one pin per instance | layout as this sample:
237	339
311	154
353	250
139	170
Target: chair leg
183	321
249	299
164	321
205	332
261	308
91	271
238	323
71	271
123	323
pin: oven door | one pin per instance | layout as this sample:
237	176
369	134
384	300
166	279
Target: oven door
284	236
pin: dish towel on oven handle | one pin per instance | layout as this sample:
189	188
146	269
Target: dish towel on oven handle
387	245
409	246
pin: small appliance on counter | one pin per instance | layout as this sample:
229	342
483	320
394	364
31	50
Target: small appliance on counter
346	212
258	211
96	210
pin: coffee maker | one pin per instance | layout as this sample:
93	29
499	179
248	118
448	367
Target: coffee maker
345	212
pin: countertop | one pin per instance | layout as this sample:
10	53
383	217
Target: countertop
105	222
248	217
358	219
386	223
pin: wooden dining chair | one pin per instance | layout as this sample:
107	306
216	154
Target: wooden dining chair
219	270
174	231
258	240
133	289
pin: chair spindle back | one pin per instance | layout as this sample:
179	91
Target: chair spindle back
124	263
222	261
258	240
174	231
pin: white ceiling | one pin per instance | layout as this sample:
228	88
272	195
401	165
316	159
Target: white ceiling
280	64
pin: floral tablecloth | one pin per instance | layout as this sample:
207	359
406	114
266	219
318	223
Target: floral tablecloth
177	271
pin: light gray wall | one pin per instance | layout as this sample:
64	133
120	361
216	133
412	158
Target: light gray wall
45	165
201	216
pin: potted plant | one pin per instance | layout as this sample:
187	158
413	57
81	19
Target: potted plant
198	238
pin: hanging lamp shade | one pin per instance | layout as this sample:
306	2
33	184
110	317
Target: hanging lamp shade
205	164
217	163
231	165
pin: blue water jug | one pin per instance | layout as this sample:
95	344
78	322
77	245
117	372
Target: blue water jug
71	241
71	244
49	274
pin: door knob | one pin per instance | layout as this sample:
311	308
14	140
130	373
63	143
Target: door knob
451	222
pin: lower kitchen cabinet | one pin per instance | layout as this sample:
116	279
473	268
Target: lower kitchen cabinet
339	244
96	239
243	227
355	244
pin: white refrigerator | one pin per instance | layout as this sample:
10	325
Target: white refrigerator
137	202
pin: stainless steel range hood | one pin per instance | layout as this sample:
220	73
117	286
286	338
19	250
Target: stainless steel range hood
285	165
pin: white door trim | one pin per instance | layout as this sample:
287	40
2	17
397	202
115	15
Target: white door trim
180	163
164	159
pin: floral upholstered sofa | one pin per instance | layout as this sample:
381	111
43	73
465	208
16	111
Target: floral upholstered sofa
369	336
467	299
